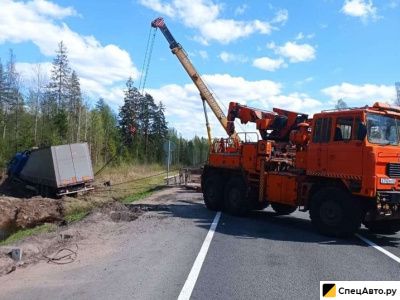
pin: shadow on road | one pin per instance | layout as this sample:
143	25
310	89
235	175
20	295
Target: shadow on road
266	224
261	224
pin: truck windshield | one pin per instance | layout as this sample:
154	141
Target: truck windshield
382	130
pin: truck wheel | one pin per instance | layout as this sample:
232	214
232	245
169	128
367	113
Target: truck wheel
213	192
334	212
283	209
236	202
383	227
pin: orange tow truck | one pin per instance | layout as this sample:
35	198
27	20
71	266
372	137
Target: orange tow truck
343	166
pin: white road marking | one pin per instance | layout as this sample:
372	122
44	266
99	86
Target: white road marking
187	289
367	241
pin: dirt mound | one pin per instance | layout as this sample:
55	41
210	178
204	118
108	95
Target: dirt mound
7	265
25	213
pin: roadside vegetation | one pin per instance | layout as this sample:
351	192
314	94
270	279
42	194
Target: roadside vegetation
51	108
126	143
24	233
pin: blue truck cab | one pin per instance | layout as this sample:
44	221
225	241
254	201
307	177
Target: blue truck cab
17	163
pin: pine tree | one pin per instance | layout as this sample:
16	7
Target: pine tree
13	99
60	76
159	130
2	85
74	107
57	97
146	116
341	104
159	127
108	129
39	85
129	112
60	135
3	103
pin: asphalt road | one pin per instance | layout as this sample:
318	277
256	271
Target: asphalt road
259	257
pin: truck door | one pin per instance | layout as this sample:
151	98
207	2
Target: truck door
318	149
345	151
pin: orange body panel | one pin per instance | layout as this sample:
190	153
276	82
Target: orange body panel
281	188
225	160
249	156
301	160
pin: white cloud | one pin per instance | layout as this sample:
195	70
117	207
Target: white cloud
298	102
204	16
363	9
165	8
240	10
301	36
51	9
230	57
304	81
269	64
359	95
29	72
281	17
263	94
203	54
295	52
393	3
36	22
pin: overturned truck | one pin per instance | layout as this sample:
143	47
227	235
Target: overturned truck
53	171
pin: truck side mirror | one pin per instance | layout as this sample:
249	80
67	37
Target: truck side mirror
361	132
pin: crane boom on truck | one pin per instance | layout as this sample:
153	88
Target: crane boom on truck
205	93
343	166
274	125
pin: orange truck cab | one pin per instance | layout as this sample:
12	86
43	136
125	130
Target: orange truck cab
361	148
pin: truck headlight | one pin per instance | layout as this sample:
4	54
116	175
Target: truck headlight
388	181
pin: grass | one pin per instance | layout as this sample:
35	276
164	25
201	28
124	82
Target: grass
24	233
76	215
126	172
125	188
138	196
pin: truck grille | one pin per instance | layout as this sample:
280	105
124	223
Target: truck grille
393	170
389	197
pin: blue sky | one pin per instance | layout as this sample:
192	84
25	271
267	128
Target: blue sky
298	55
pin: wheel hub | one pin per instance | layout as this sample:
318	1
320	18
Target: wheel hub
331	212
234	196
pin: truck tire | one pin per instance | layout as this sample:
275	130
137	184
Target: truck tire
260	206
334	212
283	209
213	192
383	227
236	202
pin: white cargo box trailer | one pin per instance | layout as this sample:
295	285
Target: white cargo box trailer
63	169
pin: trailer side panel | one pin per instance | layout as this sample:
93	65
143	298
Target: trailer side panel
39	168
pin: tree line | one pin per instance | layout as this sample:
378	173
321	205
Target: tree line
52	109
